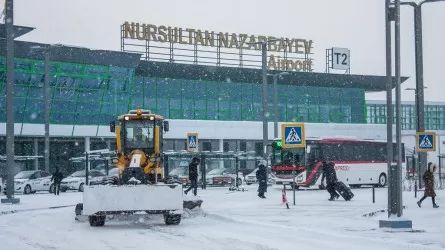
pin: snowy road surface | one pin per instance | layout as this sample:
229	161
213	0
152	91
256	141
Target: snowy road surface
228	220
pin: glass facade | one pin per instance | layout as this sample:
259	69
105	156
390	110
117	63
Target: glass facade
85	94
434	116
94	95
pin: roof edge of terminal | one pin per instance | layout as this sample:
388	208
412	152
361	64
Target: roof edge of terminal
18	30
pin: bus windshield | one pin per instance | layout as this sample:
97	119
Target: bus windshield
286	157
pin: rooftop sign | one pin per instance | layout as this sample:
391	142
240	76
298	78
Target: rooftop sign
210	47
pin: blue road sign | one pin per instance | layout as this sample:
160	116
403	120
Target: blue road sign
426	141
192	142
292	135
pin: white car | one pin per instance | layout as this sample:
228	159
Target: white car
77	180
251	178
223	176
28	182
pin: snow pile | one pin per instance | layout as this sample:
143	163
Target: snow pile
134	180
239	220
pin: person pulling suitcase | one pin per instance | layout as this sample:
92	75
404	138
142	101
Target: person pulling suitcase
331	179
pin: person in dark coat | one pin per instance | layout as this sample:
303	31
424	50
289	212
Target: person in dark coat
193	176
261	176
331	179
57	180
428	178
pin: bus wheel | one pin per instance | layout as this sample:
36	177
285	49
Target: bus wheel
382	180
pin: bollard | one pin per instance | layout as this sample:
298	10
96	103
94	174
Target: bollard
373	194
415	189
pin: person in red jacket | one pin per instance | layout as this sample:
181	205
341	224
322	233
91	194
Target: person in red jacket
428	178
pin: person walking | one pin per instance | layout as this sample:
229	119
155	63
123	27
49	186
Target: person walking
57	178
331	179
428	178
261	176
193	176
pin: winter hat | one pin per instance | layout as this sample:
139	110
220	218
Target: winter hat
262	162
196	160
431	167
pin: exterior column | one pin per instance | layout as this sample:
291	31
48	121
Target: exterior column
87	148
221	148
36	153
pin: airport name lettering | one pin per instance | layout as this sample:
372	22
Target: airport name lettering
167	34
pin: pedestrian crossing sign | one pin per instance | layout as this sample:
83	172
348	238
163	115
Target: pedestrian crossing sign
426	141
292	135
192	142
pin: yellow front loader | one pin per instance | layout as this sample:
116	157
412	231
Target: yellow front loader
139	190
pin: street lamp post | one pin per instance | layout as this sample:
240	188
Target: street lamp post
275	101
420	109
416	108
46	98
265	95
9	28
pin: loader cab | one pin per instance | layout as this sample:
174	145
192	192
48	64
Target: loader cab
141	130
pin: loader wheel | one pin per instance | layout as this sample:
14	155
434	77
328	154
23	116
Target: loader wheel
96	220
172	219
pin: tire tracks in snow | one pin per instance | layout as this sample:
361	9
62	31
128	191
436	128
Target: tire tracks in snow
312	236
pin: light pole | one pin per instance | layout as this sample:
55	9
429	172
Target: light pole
47	98
265	95
394	171
9	28
420	109
275	101
416	101
416	104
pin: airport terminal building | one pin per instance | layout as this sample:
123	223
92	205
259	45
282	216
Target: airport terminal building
221	100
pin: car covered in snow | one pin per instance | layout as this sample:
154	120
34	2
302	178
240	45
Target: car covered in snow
251	178
31	181
77	180
223	176
112	178
182	172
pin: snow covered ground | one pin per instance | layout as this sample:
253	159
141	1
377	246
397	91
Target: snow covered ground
229	220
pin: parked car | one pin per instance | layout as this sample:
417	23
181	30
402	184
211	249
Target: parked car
28	182
76	181
112	178
223	176
182	172
251	178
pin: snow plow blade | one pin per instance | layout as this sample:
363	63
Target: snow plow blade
191	204
100	201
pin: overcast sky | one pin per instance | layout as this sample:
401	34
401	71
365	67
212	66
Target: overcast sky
354	24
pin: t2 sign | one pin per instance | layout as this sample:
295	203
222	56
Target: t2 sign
340	58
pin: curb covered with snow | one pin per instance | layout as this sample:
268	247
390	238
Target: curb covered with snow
32	209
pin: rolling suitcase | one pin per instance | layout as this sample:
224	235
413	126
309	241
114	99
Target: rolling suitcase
344	191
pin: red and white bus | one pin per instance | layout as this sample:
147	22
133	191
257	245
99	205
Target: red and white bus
357	162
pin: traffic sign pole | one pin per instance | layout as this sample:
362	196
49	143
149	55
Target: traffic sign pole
293	136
